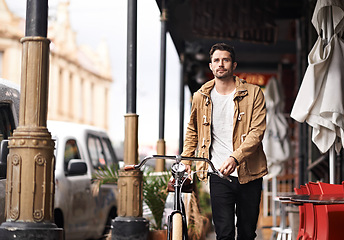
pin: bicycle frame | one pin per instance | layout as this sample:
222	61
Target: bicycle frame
178	171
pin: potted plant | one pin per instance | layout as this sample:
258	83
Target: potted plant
154	194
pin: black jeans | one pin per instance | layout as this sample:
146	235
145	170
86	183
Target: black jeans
232	198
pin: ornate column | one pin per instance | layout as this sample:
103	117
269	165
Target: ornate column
30	171
130	224
130	183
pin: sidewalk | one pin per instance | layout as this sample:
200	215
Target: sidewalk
212	236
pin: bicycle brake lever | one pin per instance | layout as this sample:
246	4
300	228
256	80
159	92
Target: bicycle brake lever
223	176
129	167
227	178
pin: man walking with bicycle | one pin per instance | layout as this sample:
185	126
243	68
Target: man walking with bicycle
227	125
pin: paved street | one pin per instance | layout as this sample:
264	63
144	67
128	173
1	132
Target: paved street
211	236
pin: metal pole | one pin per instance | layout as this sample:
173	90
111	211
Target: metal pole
161	145
162	75
332	157
31	183
130	224
327	34
131	56
181	105
301	126
36	18
302	44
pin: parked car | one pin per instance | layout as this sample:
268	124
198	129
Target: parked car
9	112
79	151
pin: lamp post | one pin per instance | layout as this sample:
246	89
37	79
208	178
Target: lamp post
31	163
130	224
161	144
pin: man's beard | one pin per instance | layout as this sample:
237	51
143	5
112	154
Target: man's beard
222	75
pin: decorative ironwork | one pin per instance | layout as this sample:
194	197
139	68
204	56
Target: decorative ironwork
40	159
13	187
38	215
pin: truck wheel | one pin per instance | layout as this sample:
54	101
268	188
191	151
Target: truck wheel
58	218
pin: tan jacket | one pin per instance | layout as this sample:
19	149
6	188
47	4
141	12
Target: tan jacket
248	129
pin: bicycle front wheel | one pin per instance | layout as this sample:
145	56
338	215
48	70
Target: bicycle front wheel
177	227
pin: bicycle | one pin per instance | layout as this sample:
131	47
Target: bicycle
177	225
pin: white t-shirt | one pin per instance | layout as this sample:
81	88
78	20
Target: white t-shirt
222	128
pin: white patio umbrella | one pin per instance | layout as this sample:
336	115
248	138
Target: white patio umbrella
320	98
275	142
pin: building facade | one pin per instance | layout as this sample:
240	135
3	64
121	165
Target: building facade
79	79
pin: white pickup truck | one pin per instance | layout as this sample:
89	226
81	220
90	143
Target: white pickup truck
80	210
79	150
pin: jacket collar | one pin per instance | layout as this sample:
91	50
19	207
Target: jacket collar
241	89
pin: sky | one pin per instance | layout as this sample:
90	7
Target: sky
107	20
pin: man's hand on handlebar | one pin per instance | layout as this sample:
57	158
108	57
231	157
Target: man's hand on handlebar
228	166
188	169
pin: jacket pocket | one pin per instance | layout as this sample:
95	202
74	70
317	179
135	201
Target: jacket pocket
256	164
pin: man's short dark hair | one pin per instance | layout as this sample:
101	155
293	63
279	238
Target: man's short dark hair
222	47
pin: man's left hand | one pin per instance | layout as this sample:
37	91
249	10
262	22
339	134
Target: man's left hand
228	166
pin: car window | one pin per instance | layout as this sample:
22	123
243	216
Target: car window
6	121
71	152
110	155
96	151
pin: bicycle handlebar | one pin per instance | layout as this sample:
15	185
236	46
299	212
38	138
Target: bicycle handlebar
177	158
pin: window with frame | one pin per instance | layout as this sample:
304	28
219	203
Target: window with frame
96	151
109	152
71	152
